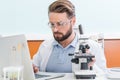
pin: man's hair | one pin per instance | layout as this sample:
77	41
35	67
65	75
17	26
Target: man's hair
61	6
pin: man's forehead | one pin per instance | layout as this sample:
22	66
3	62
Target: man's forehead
57	17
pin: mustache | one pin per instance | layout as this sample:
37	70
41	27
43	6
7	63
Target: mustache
57	33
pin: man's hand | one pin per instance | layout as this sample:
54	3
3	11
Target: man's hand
35	68
92	62
93	59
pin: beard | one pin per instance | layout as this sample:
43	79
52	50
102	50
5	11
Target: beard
64	37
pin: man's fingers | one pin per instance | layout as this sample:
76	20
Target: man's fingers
92	62
35	68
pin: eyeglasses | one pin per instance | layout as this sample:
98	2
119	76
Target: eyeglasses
58	24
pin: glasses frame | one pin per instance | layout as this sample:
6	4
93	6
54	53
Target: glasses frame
58	24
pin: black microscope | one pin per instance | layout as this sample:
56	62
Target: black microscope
81	59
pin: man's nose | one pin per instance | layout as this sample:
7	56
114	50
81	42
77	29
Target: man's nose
55	29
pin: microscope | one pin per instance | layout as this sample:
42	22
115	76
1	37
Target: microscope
81	59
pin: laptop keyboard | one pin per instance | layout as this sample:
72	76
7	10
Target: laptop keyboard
41	76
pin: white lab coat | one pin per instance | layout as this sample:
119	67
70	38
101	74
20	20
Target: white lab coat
41	58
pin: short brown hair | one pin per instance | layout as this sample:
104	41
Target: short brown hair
61	6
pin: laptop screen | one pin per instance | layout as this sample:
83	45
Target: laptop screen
14	52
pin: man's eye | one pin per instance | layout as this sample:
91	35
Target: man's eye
60	24
52	24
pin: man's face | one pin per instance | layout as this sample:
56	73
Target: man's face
61	26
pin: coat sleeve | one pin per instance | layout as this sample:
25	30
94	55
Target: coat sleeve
37	57
98	51
40	59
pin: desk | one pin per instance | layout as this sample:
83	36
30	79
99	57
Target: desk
70	76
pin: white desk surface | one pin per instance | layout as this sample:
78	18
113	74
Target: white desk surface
70	76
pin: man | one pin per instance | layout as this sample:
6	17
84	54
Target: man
52	55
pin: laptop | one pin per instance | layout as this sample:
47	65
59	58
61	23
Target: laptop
14	51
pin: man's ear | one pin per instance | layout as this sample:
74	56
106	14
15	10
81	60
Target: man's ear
73	21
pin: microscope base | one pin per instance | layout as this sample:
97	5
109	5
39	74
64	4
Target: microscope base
85	74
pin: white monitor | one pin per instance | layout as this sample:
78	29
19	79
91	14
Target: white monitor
14	52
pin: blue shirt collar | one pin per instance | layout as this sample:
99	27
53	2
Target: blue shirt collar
73	43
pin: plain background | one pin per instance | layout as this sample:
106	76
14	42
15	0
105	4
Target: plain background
31	16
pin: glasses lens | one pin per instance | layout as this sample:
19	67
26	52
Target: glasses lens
50	24
59	24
